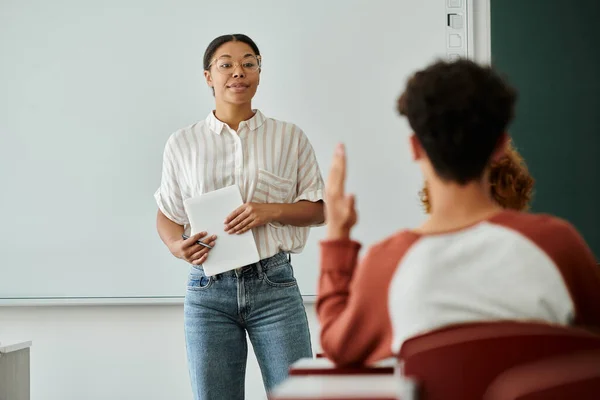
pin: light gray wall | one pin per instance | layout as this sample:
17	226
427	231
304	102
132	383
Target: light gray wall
111	352
127	352
92	90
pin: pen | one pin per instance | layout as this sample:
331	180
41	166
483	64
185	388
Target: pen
186	237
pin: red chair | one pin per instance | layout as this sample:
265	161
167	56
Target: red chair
460	362
572	376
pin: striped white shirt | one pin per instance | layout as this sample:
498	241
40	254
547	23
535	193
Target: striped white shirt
271	161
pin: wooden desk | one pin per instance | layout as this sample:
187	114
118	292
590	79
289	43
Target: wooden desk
14	371
323	366
340	387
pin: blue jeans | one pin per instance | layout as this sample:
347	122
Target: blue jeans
262	299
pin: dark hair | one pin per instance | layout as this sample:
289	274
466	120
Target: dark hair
511	185
458	111
221	40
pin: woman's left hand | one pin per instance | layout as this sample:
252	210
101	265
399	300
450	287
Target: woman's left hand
248	216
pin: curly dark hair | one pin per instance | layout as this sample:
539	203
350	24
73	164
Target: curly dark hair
511	185
458	111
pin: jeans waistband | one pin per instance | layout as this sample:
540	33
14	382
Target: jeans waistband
258	267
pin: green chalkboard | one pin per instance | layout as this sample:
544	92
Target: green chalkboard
550	50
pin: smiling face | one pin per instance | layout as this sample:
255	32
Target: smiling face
233	73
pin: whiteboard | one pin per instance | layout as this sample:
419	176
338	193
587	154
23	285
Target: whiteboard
91	90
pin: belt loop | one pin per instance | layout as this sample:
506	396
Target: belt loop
259	269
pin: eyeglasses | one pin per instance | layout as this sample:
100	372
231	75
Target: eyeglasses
226	66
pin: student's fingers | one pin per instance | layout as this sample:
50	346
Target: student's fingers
352	214
337	173
350	202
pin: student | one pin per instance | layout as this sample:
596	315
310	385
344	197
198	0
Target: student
275	167
471	260
510	182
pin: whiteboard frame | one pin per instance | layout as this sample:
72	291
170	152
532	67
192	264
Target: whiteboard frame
475	9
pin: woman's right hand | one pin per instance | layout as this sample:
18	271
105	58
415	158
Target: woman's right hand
190	251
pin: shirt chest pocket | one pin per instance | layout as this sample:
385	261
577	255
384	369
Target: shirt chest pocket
271	188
